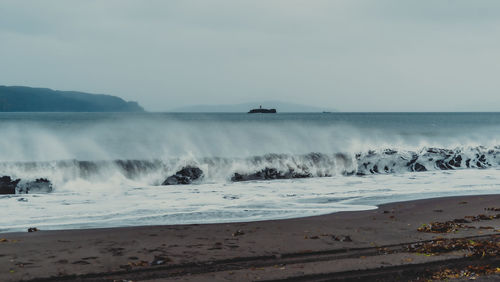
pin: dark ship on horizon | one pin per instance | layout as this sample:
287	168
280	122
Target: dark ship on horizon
260	110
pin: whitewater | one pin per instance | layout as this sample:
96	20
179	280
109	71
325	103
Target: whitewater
106	169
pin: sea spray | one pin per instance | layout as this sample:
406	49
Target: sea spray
107	169
282	166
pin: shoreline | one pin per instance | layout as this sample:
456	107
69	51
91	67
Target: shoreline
331	246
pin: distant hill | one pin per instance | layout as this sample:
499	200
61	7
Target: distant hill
245	107
28	99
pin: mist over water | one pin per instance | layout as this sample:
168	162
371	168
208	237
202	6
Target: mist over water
100	161
83	136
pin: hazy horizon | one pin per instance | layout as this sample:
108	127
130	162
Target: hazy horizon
353	56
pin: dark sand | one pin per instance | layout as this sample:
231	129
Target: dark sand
303	249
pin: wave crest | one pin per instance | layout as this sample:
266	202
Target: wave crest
68	174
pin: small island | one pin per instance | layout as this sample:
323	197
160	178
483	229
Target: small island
262	111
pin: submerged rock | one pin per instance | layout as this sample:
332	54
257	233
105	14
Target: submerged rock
268	174
40	185
184	176
8	185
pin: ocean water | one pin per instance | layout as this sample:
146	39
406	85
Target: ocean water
106	168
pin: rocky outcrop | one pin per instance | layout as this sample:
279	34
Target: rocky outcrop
186	175
268	174
8	185
391	161
40	185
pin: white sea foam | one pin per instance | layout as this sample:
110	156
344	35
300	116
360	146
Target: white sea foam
105	169
129	205
109	174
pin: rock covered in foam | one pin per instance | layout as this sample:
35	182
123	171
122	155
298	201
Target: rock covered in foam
186	175
8	185
269	174
40	185
390	161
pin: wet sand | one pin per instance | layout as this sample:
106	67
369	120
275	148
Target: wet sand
357	246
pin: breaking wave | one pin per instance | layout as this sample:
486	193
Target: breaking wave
75	174
97	152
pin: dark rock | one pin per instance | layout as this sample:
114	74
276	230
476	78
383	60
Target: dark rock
269	174
419	167
40	185
8	185
482	158
443	165
414	158
444	159
482	162
456	162
184	176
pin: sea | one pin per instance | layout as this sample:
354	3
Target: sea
106	169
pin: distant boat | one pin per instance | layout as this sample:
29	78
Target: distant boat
262	111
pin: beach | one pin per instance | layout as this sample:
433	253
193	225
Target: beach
249	141
344	245
118	197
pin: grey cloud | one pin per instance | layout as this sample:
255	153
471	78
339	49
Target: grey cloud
349	55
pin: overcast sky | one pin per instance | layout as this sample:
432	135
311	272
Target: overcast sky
350	55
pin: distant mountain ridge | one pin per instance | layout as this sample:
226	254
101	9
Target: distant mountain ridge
29	99
245	107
